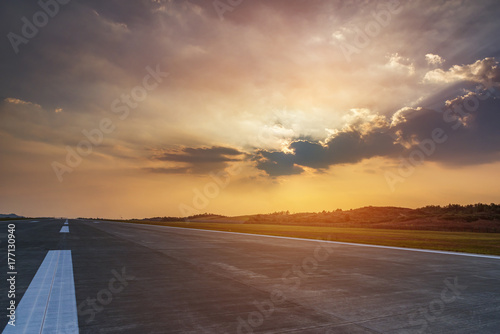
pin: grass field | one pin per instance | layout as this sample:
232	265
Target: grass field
481	243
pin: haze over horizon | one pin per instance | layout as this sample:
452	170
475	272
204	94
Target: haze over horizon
177	107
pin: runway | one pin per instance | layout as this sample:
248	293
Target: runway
147	279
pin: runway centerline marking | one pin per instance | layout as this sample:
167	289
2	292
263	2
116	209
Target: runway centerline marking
64	229
49	304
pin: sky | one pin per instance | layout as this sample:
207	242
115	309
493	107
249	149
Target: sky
177	107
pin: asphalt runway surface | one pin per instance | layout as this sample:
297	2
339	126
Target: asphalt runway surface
106	277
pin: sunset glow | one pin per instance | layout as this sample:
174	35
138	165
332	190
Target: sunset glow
171	108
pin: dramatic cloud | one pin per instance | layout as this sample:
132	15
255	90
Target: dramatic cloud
469	123
485	71
344	148
198	160
401	63
433	59
278	163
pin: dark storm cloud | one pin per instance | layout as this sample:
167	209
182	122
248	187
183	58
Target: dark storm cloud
198	160
470	123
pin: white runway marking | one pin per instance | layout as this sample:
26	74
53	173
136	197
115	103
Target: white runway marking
34	221
49	304
64	229
66	222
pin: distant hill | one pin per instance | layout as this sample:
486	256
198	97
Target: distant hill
473	218
10	215
453	217
200	217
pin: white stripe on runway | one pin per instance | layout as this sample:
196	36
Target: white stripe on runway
49	304
64	229
66	222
